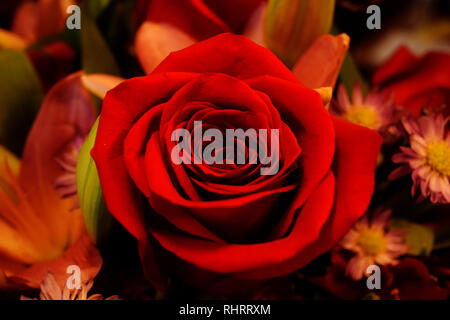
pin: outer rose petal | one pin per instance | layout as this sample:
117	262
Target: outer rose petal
122	106
354	166
227	53
280	256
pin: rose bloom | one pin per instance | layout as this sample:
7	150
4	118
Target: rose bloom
416	82
222	226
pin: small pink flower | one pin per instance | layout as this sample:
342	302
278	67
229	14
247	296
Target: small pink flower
427	158
374	112
373	244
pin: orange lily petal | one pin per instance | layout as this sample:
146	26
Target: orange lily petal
82	253
319	66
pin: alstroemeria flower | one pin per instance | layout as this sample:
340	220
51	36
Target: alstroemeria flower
40	231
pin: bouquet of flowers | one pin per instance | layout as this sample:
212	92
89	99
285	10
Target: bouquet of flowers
258	149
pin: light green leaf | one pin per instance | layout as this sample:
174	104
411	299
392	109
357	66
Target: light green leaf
420	239
97	219
20	97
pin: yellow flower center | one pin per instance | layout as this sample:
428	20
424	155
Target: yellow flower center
371	242
438	157
363	115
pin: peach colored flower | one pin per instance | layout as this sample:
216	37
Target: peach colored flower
372	244
427	158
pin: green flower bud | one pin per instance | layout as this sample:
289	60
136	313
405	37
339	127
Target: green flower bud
97	219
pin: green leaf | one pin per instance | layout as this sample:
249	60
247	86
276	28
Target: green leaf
95	53
442	239
96	7
350	75
420	239
97	219
20	98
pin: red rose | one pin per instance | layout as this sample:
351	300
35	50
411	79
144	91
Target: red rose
416	83
229	222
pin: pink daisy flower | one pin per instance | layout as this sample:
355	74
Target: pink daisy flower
373	244
374	112
427	158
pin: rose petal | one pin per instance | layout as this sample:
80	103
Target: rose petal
311	124
121	108
234	55
281	254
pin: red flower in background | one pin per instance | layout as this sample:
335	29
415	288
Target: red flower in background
201	19
416	82
174	25
58	57
218	226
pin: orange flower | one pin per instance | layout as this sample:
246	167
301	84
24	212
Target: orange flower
40	231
